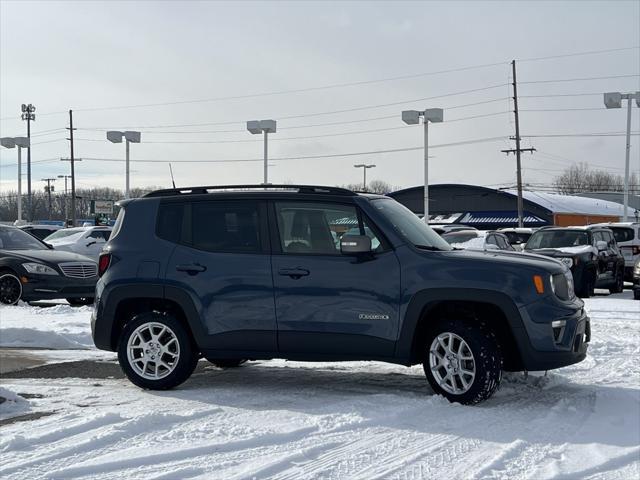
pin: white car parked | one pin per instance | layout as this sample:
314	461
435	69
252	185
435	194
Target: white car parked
478	240
87	241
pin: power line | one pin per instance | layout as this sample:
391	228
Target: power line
578	54
280	139
580	79
596	134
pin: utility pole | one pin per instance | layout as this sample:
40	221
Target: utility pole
73	172
49	188
364	169
29	115
66	196
517	150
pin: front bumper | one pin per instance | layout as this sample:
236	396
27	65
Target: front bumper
48	287
540	350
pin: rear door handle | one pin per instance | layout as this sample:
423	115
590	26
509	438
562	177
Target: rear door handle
294	273
191	268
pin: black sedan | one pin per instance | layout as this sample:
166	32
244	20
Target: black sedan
30	270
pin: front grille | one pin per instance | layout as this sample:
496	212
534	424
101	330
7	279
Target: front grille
79	269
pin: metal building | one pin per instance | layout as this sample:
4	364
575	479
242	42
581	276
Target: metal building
488	208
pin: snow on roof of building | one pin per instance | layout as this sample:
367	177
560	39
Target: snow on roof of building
558	203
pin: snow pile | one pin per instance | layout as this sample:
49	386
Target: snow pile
58	327
11	404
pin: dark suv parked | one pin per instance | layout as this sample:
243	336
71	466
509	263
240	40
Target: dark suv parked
591	252
264	272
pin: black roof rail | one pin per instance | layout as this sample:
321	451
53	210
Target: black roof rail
209	188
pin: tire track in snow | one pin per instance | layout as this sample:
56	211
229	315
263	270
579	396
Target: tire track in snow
171	456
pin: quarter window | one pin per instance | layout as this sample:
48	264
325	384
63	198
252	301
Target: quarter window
225	227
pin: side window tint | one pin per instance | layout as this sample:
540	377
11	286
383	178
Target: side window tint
316	228
225	227
169	222
492	240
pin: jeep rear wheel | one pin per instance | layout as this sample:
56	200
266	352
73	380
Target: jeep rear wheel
463	362
156	352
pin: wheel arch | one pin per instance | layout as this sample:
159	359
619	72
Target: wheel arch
495	309
126	301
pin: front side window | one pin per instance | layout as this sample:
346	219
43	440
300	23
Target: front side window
316	228
225	227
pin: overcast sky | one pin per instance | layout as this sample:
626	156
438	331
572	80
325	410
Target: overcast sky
90	55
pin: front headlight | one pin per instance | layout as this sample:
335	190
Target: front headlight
562	285
39	269
568	261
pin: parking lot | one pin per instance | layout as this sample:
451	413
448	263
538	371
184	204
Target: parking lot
77	417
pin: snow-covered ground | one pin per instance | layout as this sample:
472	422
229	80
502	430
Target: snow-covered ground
363	420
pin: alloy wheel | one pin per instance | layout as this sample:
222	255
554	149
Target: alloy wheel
10	289
153	350
452	363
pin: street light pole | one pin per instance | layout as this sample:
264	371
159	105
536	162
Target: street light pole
412	117
614	100
265	127
115	136
364	168
20	142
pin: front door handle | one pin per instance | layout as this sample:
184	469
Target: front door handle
191	268
294	273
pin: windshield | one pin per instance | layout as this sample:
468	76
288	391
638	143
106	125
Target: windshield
15	239
557	239
409	225
459	237
65	232
516	238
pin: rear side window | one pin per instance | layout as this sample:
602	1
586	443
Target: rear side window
169	223
623	234
225	227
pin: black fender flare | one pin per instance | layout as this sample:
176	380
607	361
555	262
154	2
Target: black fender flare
425	300
105	318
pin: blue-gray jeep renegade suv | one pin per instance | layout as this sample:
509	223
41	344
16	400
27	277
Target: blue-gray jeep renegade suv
320	273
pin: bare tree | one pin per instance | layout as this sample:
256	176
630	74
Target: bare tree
579	178
374	186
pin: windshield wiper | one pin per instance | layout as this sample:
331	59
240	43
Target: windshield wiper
430	248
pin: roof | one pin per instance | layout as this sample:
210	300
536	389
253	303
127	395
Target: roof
558	203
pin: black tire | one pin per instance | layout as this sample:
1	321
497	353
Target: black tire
619	285
10	288
487	359
227	362
77	302
588	288
636	294
184	365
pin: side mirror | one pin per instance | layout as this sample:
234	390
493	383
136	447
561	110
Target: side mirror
355	244
601	245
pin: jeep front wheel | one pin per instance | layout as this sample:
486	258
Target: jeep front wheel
156	352
463	362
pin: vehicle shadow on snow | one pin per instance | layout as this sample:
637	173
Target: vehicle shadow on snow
536	409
